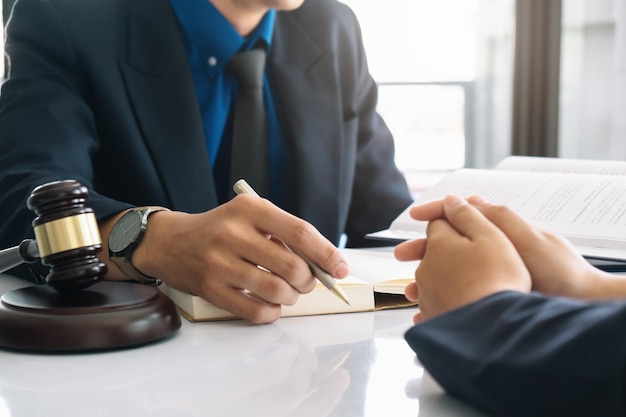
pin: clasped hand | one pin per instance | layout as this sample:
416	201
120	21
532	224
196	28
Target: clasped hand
474	249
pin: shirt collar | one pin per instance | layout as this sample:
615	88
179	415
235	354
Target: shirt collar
263	31
213	37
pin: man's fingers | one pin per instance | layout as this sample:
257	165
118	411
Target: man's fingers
299	235
428	211
417	318
455	206
514	226
465	218
441	229
247	306
411	292
410	251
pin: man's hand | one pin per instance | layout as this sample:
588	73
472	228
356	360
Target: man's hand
215	255
554	264
464	258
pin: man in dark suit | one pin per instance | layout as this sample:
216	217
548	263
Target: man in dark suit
560	350
132	98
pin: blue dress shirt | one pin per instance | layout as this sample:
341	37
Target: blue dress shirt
211	41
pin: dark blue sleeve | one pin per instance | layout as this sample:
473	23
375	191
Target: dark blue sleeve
514	354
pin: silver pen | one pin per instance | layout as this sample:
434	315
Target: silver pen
242	187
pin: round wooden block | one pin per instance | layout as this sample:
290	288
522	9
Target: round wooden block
107	315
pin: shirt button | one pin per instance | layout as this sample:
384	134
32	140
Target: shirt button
212	61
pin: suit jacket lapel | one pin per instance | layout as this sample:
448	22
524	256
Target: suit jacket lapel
301	77
161	89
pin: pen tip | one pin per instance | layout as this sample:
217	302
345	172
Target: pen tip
339	292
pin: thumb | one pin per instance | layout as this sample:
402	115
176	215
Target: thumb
465	218
515	227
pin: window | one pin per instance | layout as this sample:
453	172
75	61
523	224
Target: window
444	71
593	80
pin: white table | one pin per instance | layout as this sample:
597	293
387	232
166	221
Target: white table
346	365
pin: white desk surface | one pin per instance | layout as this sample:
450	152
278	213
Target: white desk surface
348	365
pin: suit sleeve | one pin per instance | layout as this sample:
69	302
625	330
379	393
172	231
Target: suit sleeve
380	191
47	130
520	354
370	190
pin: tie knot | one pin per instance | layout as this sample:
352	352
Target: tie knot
248	67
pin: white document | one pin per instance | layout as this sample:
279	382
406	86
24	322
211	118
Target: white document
582	200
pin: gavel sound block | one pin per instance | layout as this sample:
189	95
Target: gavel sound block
76	310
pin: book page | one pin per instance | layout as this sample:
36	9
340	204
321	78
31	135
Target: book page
379	267
403	227
318	301
562	165
588	209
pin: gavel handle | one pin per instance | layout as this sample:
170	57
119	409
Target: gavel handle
25	252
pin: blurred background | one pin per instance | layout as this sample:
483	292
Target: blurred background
464	83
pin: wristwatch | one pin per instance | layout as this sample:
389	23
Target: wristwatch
124	238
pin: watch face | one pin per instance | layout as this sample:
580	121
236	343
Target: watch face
125	231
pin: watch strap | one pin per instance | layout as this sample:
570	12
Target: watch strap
133	273
124	262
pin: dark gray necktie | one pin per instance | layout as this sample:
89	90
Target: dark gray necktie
249	152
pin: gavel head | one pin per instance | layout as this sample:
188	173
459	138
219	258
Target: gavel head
67	235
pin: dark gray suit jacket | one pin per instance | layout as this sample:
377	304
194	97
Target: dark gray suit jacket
100	91
515	354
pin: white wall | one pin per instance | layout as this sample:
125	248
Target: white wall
593	80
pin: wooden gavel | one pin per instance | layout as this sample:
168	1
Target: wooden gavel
77	310
67	238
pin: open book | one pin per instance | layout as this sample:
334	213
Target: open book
582	200
377	281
